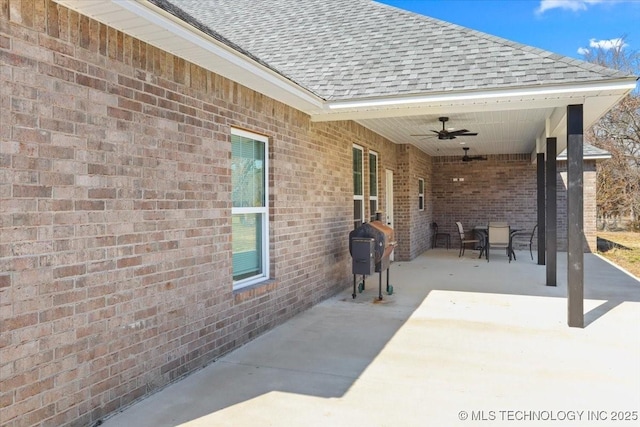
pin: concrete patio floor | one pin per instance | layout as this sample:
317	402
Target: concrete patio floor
460	342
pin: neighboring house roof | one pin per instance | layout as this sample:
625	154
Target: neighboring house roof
352	49
589	153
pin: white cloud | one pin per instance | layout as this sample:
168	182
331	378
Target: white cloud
574	5
603	44
607	44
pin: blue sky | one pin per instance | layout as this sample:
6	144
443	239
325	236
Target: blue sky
560	26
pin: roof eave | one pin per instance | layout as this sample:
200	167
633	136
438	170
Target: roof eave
513	98
563	158
155	26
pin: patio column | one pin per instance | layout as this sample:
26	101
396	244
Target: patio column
575	216
551	233
541	208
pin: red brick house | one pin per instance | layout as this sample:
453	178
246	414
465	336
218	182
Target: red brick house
179	177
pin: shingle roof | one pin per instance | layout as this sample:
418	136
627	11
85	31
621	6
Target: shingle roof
588	152
348	49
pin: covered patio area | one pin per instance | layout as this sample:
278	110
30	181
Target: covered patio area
460	341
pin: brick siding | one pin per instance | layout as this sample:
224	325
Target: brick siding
502	188
115	220
589	208
115	251
412	226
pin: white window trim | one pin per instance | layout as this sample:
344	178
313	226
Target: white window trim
264	210
371	197
420	194
360	197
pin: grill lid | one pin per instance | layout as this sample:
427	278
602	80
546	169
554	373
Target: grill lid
381	233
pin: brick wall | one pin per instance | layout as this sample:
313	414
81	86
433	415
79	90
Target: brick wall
115	219
413	227
502	188
115	240
512	196
589	202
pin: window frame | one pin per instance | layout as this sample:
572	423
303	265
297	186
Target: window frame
373	185
264	274
358	197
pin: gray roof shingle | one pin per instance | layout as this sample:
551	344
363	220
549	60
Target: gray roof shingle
348	49
588	152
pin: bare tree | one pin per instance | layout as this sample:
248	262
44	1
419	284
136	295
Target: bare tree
618	185
616	56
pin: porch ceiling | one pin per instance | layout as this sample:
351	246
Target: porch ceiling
513	120
499	132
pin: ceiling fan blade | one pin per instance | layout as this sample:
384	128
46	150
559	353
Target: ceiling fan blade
445	134
468	158
462	132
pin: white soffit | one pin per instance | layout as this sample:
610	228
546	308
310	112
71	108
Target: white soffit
156	27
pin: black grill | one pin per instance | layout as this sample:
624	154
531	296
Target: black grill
370	246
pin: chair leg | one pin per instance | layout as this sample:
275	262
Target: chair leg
530	251
487	253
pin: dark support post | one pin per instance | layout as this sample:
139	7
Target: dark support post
551	233
575	216
541	209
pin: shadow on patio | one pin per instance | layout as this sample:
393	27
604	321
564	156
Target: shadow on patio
458	335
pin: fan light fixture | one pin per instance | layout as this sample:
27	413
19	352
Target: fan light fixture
448	134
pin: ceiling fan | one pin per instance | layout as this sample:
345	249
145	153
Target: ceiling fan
449	134
468	158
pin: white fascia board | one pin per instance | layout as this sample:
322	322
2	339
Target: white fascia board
444	108
575	93
219	58
563	158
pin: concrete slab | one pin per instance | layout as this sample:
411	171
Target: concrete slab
460	342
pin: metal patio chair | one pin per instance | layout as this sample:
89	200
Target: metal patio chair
530	235
463	239
436	234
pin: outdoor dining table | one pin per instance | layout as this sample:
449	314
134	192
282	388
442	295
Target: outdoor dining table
482	231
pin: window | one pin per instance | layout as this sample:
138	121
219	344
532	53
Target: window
249	211
358	186
373	185
420	194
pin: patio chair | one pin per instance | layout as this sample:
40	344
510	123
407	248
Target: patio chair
530	235
499	236
436	234
463	240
